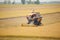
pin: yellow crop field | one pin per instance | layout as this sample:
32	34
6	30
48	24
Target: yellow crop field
10	21
9	10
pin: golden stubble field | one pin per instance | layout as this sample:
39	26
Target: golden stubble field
11	26
23	10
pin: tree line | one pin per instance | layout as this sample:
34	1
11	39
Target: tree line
22	2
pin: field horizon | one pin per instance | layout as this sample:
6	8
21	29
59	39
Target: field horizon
9	10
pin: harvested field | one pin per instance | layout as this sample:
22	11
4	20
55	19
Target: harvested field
11	18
